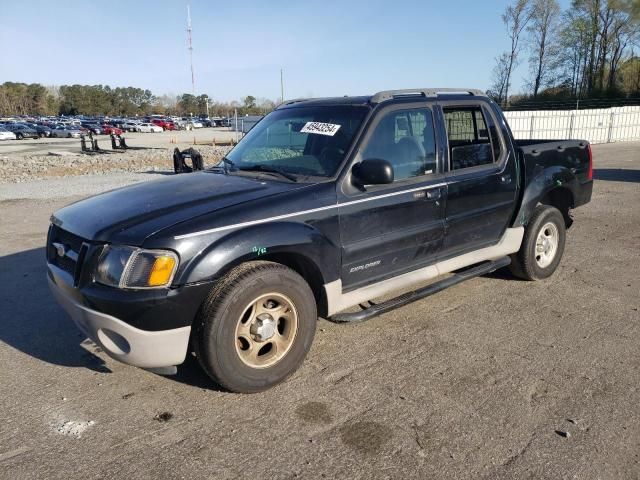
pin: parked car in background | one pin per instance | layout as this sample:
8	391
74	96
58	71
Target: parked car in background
65	131
21	130
183	125
110	129
149	128
197	123
164	124
93	128
116	122
130	126
43	130
6	134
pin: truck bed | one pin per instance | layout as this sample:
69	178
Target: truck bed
558	161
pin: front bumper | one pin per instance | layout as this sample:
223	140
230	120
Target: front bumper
123	342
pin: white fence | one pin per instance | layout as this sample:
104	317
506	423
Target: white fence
602	125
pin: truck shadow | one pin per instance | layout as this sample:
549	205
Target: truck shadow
32	322
617	175
503	274
191	373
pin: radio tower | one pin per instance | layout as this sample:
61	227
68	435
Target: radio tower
193	78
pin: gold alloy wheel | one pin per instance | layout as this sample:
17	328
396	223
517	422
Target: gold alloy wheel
266	330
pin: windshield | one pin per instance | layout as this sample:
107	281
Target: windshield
300	141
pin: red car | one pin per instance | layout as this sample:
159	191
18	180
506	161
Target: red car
110	129
164	124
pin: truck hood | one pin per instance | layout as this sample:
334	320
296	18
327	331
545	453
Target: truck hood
129	215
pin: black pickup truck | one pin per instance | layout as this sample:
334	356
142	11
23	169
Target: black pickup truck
325	205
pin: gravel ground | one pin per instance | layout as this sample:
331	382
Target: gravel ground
494	378
18	168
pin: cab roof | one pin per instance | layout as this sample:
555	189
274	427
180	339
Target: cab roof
385	96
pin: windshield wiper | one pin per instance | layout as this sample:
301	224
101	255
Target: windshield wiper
267	169
225	162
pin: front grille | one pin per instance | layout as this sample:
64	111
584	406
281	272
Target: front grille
74	250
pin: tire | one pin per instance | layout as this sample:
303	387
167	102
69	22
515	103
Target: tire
542	246
196	159
19	136
228	348
177	161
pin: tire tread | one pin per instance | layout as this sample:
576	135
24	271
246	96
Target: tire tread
208	317
523	263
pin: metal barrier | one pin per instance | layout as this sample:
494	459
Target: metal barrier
617	124
93	143
118	142
179	163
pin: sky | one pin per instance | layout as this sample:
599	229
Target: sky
325	48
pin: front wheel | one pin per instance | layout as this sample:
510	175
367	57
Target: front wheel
542	246
256	327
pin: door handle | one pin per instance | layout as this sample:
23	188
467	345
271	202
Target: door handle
434	194
505	178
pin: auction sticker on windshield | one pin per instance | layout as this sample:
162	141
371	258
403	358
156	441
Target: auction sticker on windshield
320	128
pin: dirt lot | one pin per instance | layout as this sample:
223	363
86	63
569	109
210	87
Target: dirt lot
26	160
494	378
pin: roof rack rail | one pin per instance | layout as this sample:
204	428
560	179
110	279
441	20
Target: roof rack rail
423	92
294	100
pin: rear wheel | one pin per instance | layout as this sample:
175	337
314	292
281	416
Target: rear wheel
19	136
542	246
256	327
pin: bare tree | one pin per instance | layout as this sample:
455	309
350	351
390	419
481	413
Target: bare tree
608	30
574	51
499	78
515	17
624	34
543	42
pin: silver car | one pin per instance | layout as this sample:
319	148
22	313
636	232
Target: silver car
6	134
65	131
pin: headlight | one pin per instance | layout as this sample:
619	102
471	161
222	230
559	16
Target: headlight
128	267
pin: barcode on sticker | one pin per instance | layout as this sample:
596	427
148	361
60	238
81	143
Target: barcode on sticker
320	128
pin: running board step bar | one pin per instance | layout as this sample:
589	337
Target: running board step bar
375	309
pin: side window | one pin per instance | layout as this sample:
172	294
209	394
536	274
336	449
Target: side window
406	139
471	142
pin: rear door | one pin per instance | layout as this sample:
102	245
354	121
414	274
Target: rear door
391	229
481	179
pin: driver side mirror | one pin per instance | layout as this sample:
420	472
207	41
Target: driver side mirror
373	171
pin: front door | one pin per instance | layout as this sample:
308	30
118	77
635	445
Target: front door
391	229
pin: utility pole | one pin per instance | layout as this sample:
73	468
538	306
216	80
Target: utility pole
281	87
193	78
